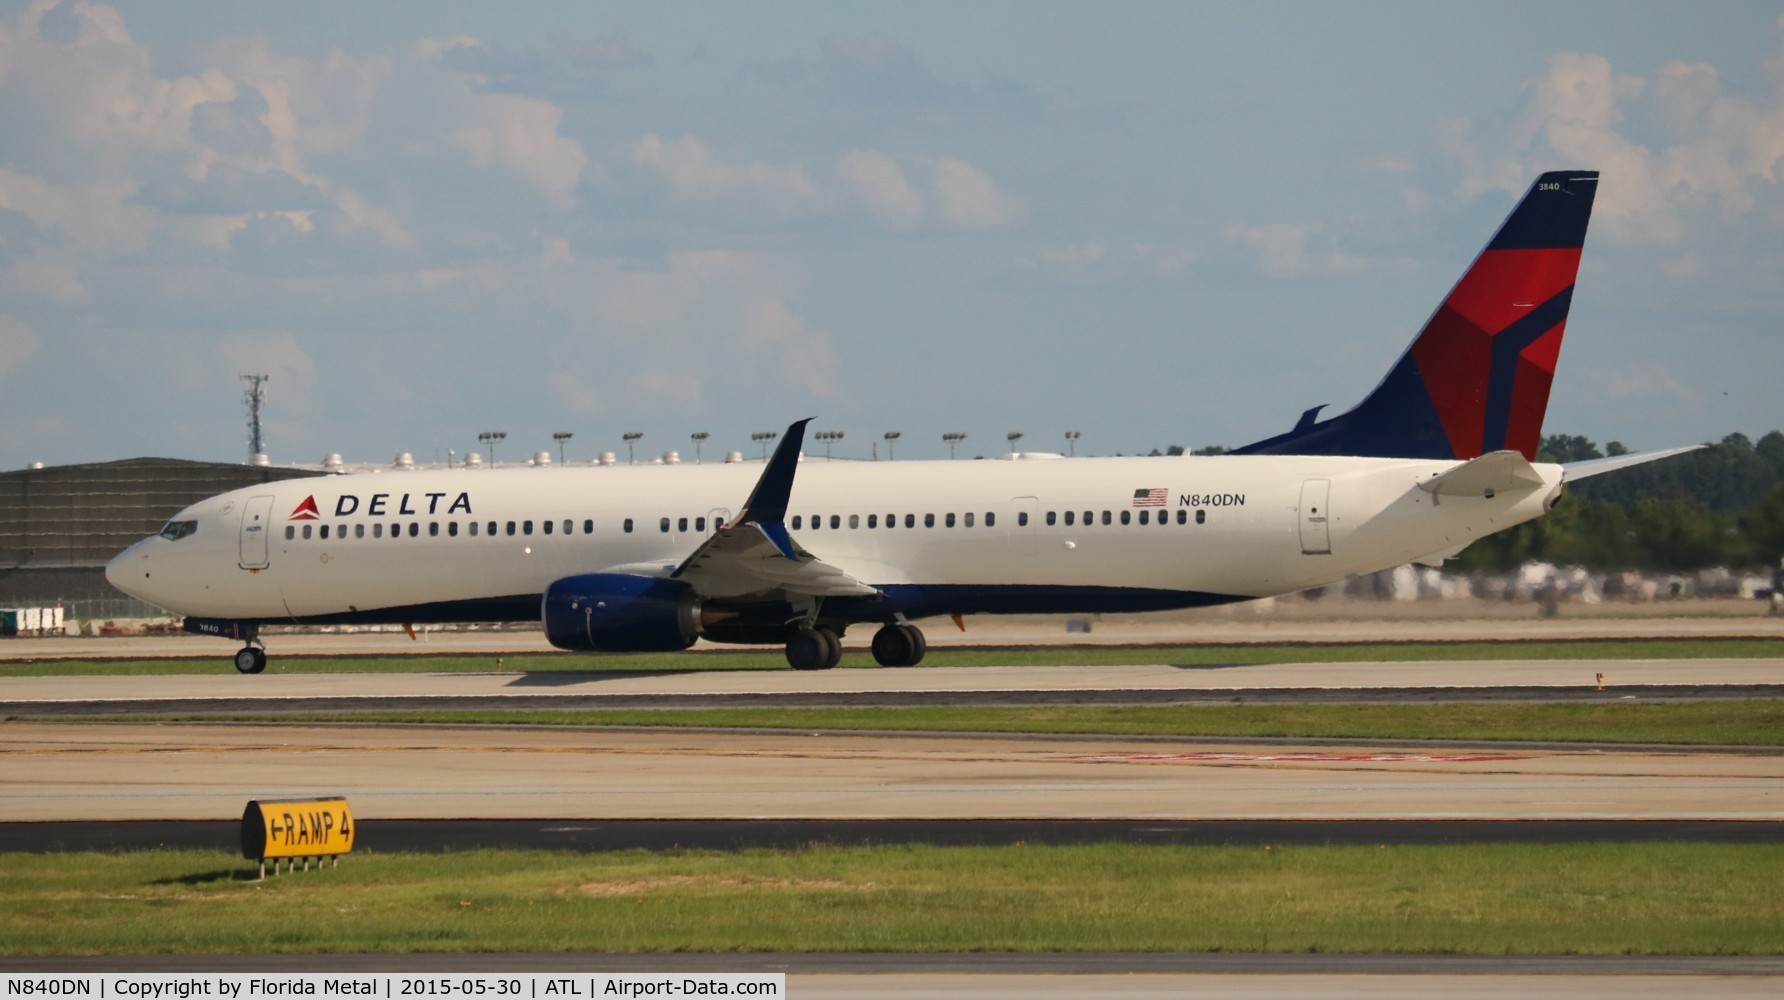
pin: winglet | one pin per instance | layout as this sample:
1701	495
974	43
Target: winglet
767	506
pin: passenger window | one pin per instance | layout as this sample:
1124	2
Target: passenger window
569	526
681	525
473	529
452	528
1106	518
1050	519
663	526
700	524
990	519
526	527
1068	518
414	529
510	529
492	529
546	525
854	520
969	519
835	521
325	531
928	520
1126	517
1022	519
949	520
795	522
306	532
628	526
1182	516
1089	518
378	530
910	520
873	520
1144	517
1201	517
290	532
588	527
433	529
359	531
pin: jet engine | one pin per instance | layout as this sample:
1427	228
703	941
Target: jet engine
621	613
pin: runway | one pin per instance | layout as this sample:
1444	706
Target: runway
144	771
1138	683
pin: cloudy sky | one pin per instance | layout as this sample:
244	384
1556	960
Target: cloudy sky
1154	223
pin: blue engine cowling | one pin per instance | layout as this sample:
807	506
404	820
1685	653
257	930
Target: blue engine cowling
621	613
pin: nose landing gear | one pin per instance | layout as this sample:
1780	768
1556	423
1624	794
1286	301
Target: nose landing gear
251	659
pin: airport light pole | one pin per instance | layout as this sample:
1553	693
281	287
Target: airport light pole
560	437
698	437
629	437
491	437
953	438
891	441
1013	437
763	437
1071	442
828	437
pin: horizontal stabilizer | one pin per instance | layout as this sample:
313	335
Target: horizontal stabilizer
1575	471
1491	473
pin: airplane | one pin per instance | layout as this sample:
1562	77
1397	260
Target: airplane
796	550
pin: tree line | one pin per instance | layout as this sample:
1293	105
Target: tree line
1722	505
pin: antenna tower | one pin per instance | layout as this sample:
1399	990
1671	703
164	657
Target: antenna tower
254	397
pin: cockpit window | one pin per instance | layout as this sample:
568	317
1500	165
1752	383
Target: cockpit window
176	530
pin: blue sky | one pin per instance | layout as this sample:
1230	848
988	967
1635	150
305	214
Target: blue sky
1154	223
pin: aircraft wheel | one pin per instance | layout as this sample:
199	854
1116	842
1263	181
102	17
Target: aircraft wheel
899	646
807	649
832	646
250	660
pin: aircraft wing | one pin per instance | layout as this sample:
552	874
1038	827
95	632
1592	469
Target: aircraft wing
755	554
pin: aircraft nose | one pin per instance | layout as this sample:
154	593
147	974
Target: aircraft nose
128	570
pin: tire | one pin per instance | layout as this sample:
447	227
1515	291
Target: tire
832	646
891	646
807	649
250	660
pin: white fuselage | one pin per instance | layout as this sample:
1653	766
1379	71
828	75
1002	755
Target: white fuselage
444	545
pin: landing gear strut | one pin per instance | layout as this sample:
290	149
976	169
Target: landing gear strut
813	647
899	645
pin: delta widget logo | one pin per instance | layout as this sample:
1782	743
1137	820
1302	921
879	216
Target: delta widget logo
306	511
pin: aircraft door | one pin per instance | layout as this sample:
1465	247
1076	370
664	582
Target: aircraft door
1316	534
257	516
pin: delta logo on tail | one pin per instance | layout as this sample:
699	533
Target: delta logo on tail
306	511
1476	379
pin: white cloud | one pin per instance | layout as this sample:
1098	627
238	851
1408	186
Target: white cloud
520	135
967	199
1283	250
693	174
1678	151
877	182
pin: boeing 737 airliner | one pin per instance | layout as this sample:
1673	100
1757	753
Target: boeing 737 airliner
794	552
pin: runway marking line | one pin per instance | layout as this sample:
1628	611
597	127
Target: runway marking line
1335	758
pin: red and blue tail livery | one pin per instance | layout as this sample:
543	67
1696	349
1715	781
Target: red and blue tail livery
1476	379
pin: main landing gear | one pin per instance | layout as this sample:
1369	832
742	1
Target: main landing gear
819	647
899	645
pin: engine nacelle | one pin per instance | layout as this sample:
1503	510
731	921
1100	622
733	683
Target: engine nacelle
621	613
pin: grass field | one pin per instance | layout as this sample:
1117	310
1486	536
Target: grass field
1678	899
1088	656
1757	723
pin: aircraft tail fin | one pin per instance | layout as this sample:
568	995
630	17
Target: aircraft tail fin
1476	379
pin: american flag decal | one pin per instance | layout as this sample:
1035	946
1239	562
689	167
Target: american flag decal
1149	498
